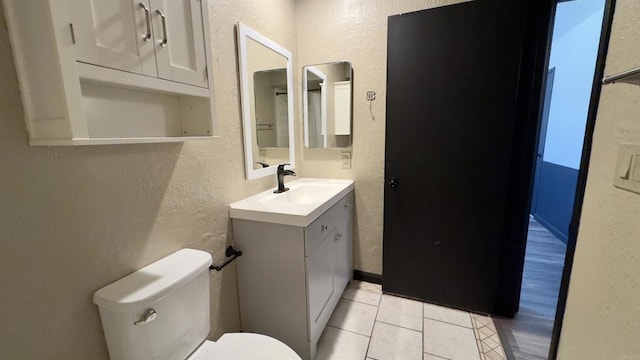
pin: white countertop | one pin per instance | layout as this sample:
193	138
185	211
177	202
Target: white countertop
306	200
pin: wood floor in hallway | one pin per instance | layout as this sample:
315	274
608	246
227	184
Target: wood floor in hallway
528	335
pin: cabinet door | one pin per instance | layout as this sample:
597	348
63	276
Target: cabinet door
179	41
114	34
343	244
320	276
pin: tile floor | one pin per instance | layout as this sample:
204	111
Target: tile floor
369	325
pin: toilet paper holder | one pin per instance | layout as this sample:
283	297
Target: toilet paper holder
230	252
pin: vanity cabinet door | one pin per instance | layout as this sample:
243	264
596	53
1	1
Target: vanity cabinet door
343	242
179	41
115	34
320	280
343	254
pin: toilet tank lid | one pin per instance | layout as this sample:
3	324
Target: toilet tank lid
154	281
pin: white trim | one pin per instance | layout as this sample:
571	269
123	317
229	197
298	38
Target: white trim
323	102
305	103
305	108
113	141
245	32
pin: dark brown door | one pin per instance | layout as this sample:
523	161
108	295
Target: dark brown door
452	90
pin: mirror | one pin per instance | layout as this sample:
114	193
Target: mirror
327	105
267	104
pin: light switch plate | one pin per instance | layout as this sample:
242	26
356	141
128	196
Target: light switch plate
627	174
346	159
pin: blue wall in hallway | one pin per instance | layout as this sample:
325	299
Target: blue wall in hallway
556	192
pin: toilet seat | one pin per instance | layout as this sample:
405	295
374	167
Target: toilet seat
244	346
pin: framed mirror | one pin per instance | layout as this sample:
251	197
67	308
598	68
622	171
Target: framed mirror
327	100
266	90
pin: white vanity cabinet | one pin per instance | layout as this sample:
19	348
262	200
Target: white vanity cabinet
290	278
111	72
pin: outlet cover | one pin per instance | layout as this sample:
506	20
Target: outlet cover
346	159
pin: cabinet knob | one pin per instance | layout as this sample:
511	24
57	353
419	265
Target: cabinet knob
324	228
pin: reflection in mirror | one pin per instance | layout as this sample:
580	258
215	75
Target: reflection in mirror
267	105
327	105
270	88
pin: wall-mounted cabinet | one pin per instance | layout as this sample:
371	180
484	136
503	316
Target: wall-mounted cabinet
113	72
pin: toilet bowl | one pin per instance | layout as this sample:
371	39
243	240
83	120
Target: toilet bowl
244	346
161	312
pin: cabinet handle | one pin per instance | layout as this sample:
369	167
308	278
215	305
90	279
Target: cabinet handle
164	41
147	17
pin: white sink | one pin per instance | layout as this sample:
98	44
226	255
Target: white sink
305	201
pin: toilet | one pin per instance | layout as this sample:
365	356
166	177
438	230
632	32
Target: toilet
161	312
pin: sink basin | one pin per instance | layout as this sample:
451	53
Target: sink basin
305	201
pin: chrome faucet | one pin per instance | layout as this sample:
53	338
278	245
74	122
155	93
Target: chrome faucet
281	174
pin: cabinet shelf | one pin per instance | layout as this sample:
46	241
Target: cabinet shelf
113	141
631	76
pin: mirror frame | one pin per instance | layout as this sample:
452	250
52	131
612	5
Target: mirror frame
244	33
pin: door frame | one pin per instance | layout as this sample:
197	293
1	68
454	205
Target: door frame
605	35
546	109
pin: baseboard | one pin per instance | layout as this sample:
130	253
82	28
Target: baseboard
367	276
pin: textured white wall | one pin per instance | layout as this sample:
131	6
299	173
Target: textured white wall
73	219
355	31
602	320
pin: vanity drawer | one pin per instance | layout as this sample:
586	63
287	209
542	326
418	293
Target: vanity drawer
318	230
343	208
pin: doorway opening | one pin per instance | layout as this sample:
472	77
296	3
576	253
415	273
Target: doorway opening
572	59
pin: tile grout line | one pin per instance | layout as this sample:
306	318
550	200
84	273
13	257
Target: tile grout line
441	357
478	341
400	326
361	302
423	334
358	302
450	323
349	331
366	354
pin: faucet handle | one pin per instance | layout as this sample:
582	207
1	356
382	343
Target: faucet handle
281	166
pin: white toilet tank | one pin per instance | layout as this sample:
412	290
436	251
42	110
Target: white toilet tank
173	294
